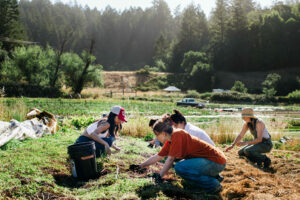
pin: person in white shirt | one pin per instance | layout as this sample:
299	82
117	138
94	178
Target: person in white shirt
103	131
179	121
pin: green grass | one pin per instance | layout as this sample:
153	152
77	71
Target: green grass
39	167
92	107
35	168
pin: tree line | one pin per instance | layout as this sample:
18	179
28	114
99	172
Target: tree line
239	36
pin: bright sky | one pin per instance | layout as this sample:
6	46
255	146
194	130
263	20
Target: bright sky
206	5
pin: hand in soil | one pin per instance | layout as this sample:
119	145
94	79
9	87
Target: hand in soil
137	168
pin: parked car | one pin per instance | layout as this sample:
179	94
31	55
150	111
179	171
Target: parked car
190	102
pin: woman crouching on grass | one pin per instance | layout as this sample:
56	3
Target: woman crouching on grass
203	162
103	131
262	142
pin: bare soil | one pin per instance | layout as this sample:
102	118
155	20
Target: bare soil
243	180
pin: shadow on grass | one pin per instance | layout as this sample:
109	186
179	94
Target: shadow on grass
270	169
152	191
65	179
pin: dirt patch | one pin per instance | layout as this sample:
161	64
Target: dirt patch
44	193
23	180
50	195
243	180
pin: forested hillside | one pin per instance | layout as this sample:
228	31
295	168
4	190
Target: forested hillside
50	45
238	36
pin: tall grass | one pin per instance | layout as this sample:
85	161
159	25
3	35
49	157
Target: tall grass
14	109
137	127
225	130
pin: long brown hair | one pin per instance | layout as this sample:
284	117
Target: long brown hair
252	123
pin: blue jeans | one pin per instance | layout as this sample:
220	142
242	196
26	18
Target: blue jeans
100	148
200	172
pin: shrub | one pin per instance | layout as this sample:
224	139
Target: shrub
231	96
149	137
269	85
294	96
144	71
206	95
239	87
75	76
153	84
81	122
197	67
30	64
161	65
15	89
192	94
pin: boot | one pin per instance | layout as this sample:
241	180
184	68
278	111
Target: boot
267	162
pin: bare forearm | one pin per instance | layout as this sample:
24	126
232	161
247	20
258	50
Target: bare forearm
151	161
98	139
237	139
168	164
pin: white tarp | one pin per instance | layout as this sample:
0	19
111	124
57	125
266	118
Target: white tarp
20	130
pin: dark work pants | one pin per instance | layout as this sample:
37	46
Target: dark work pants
255	152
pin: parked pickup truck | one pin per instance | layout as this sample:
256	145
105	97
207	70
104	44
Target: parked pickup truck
190	102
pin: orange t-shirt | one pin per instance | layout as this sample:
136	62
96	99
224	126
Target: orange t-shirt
185	146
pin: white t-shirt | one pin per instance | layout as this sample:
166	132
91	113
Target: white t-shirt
198	132
91	128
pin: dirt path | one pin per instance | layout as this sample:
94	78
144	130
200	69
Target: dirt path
242	180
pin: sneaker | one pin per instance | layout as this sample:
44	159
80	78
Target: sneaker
267	162
219	178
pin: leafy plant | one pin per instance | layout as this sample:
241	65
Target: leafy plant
269	85
239	86
80	122
192	94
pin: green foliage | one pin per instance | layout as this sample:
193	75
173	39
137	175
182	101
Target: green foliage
153	84
82	122
9	21
231	97
194	61
206	95
294	96
269	85
30	64
192	94
196	65
193	36
143	72
75	74
149	137
239	87
160	65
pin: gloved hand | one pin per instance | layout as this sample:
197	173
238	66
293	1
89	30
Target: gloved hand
157	178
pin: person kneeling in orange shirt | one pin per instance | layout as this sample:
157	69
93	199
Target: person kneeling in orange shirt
202	161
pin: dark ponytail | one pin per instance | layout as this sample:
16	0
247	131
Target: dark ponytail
152	122
177	117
